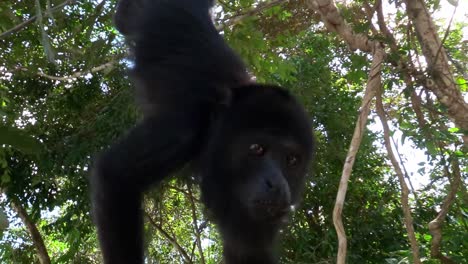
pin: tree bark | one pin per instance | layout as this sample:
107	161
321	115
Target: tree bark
435	226
335	23
408	218
442	82
36	237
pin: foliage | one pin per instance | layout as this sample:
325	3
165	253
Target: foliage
65	95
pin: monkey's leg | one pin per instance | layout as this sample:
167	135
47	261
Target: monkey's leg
150	152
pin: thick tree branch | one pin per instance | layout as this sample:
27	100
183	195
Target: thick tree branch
442	84
36	236
335	23
25	23
408	218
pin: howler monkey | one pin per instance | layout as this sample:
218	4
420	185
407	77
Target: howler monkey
251	142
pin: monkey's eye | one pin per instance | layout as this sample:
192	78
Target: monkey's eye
292	160
256	149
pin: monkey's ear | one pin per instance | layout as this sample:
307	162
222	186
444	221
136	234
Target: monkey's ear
127	16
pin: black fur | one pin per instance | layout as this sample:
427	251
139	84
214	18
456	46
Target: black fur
252	142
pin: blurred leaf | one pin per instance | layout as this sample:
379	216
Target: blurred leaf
20	140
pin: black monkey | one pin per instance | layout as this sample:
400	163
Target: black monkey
252	143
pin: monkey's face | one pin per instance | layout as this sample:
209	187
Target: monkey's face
269	170
257	158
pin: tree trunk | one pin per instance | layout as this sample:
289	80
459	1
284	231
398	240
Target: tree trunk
34	232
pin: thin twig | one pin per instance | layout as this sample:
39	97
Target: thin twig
405	171
169	238
184	192
195	224
447	31
25	23
75	75
235	19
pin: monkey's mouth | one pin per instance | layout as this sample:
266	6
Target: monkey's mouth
271	209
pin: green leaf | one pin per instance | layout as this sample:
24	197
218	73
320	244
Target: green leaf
18	139
5	178
463	84
427	237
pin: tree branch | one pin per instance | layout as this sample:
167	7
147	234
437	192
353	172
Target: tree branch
405	172
75	75
36	236
435	226
408	218
234	19
25	23
195	224
335	23
170	239
442	84
373	83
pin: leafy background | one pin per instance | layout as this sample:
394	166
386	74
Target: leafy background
65	95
